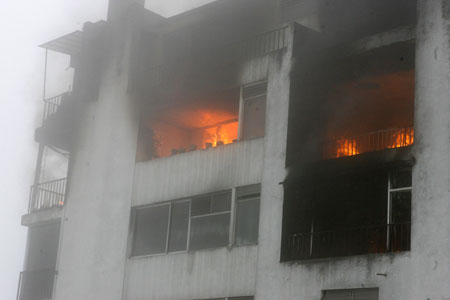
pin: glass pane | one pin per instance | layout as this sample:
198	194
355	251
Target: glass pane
365	294
201	206
247	221
248	191
179	223
150	232
221	202
254	117
401	207
209	231
401	178
338	295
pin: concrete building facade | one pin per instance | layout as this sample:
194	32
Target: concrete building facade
248	149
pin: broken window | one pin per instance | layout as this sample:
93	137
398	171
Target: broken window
253	111
197	223
247	214
354	294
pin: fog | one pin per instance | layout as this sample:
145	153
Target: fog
24	25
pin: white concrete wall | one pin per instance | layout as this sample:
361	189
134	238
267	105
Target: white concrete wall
431	176
198	172
203	274
96	216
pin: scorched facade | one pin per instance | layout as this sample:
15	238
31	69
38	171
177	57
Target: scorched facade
248	149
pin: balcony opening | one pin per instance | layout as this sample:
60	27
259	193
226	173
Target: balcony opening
353	213
209	122
353	105
36	281
349	141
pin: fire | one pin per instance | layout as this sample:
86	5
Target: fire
346	148
223	133
402	138
373	141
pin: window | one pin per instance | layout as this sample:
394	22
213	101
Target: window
198	223
151	227
253	111
355	294
210	221
247	214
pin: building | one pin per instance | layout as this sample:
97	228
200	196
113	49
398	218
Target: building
249	149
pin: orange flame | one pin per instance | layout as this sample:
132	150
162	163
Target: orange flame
402	138
225	133
346	148
388	139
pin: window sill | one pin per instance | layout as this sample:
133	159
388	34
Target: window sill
191	252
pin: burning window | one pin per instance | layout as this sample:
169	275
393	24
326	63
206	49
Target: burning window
370	114
203	124
196	223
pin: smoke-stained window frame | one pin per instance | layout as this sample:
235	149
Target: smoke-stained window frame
251	92
232	242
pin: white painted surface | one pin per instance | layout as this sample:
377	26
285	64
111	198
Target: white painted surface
95	223
431	175
198	172
203	274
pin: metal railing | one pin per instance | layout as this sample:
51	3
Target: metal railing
259	45
48	194
372	141
51	105
355	241
36	285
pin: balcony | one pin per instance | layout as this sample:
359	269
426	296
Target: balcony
58	121
369	142
347	242
36	285
47	195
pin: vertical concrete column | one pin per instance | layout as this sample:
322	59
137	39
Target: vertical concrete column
96	216
431	176
269	270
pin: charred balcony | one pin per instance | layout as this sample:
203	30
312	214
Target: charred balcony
350	135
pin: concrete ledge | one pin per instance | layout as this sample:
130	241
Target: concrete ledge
42	217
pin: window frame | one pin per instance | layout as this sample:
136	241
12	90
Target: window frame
242	100
232	227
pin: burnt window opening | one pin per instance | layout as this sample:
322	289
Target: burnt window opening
206	122
350	105
352	213
352	294
196	223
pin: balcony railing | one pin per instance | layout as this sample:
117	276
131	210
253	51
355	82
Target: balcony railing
47	195
36	285
260	45
52	105
372	141
355	241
